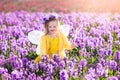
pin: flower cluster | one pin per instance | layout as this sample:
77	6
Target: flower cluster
50	16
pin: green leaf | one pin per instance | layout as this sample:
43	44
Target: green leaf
40	72
115	73
76	78
70	78
102	78
114	50
105	37
110	72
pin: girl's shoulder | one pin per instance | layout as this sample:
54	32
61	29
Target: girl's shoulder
61	34
43	36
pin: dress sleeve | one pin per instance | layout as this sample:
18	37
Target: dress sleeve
67	44
42	49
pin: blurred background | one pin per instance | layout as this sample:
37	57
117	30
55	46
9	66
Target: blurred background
61	5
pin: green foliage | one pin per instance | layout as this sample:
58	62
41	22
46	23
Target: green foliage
74	53
40	72
57	75
8	67
105	37
31	56
102	78
114	35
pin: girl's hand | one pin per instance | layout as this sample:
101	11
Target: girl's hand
73	45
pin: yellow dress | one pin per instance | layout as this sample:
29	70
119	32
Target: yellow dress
50	46
53	46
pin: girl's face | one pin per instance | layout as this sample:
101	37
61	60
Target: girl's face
53	27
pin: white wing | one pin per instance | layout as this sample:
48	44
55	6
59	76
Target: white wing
38	49
65	28
34	36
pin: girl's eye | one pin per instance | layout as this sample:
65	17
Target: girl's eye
49	26
54	26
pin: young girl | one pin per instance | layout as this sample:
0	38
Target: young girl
54	41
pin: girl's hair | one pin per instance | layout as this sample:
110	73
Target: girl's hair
46	23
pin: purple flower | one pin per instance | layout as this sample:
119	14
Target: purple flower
110	52
44	58
24	60
119	67
17	64
112	78
117	55
102	61
61	64
39	78
74	73
48	68
56	58
17	74
91	74
34	67
32	76
70	65
73	60
6	76
50	16
2	60
112	64
99	69
64	75
83	62
3	70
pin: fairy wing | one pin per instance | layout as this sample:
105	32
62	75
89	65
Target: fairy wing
65	29
34	36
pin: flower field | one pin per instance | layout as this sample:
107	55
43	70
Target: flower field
97	56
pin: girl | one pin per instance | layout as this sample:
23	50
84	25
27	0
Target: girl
53	41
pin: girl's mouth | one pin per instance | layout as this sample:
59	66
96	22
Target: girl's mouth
52	30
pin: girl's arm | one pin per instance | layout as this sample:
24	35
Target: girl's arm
42	49
67	44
